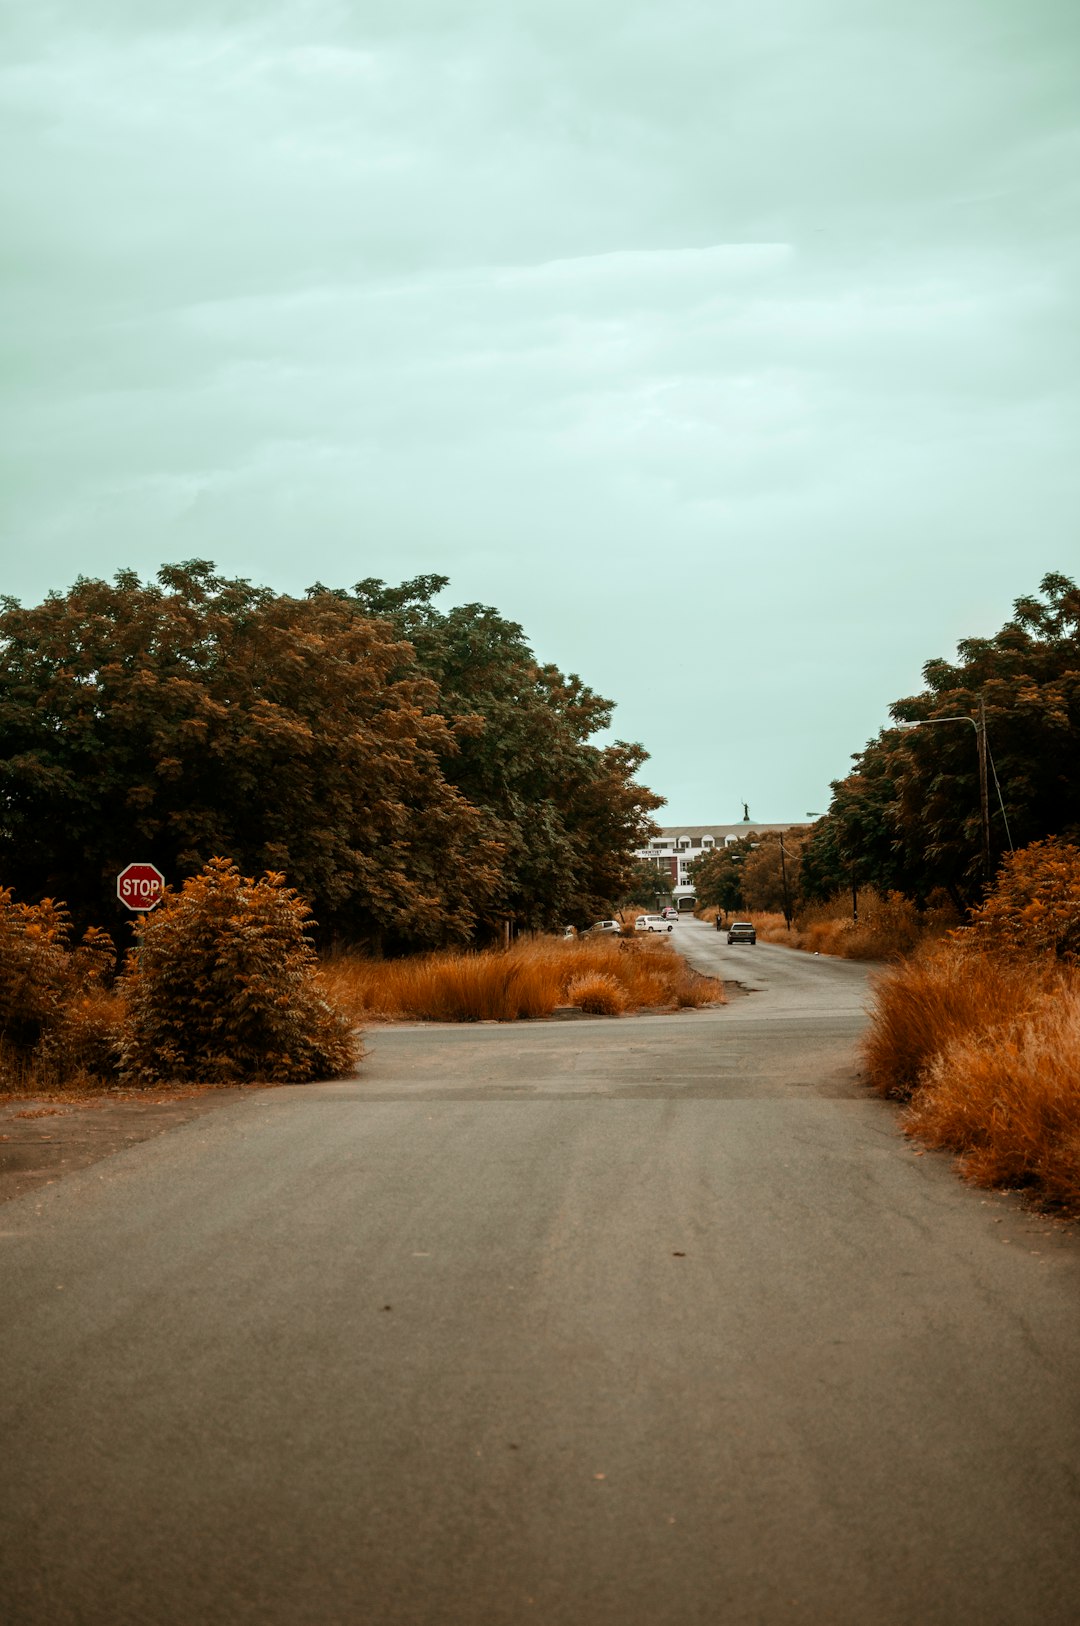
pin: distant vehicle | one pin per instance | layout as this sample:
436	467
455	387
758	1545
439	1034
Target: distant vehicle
669	913
601	926
653	923
742	931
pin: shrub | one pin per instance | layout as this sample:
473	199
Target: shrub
34	969
597	992
222	987
58	1021
1035	904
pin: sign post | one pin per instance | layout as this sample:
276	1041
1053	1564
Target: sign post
140	886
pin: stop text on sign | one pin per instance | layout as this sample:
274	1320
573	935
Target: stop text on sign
140	886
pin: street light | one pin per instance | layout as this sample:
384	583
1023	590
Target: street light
983	745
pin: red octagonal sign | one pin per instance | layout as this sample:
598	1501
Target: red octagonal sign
140	886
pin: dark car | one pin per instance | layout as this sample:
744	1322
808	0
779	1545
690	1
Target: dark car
741	931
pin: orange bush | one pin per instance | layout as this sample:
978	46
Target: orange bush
222	987
887	926
1035	904
58	1022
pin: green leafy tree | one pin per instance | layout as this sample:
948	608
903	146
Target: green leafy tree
198	716
647	882
568	814
717	875
910	816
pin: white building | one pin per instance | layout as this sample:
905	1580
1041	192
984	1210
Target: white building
675	848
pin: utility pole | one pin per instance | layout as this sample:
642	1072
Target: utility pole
984	795
787	897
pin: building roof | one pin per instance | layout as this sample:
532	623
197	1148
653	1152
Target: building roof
719	832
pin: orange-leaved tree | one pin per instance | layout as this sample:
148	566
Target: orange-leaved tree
53	1011
1035	904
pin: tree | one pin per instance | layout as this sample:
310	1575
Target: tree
771	873
416	774
201	717
1035	905
910	815
568	814
717	875
647	882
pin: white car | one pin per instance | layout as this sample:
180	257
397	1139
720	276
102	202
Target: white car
652	923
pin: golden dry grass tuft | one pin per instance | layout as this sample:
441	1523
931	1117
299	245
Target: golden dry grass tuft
1009	1101
986	1051
597	992
507	985
942	996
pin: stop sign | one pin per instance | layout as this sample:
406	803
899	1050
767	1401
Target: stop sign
140	886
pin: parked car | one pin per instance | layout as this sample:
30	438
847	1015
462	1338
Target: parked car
601	926
652	923
742	931
669	913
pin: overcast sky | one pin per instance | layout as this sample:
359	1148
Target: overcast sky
729	347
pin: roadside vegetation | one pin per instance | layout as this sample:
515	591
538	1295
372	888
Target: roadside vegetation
420	777
602	975
979	1033
224	986
885	928
221	989
957	846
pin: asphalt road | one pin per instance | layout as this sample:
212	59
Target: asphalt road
645	1322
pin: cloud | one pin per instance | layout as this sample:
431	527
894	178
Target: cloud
734	312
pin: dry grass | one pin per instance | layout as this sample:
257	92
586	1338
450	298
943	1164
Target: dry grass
887	928
1009	1102
942	996
987	1053
599	993
528	980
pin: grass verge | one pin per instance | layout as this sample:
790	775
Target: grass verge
886	928
603	975
986	1052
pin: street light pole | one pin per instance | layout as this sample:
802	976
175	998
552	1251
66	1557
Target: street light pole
984	795
783	873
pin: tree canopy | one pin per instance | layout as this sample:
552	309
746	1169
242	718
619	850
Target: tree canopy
415	774
908	818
